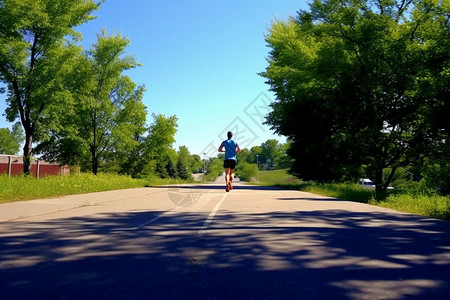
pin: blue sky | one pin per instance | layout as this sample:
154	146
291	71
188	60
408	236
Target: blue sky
200	61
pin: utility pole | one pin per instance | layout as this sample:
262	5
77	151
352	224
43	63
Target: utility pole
257	168
204	167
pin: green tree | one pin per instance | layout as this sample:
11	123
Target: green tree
214	169
10	140
33	37
100	112
283	161
183	163
270	153
106	116
256	151
244	156
352	81
182	170
196	163
158	143
128	135
171	168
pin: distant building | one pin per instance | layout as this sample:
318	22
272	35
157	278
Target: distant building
12	165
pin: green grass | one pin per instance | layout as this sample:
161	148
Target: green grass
426	205
27	188
411	199
277	177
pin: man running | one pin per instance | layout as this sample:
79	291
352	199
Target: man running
229	163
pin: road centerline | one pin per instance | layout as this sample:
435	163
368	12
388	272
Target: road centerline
210	217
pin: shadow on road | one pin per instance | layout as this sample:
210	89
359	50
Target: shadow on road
160	255
215	186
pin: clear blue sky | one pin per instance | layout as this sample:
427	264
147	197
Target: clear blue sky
200	61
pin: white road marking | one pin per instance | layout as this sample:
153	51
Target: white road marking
211	215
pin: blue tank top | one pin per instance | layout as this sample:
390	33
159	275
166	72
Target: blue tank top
230	149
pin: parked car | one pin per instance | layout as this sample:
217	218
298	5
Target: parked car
369	184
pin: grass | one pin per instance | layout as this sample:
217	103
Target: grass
410	199
27	188
277	177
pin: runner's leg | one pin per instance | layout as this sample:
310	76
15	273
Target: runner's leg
231	178
227	178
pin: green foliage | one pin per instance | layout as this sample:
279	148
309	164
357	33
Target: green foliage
215	169
33	36
183	163
360	85
411	197
246	171
182	171
10	141
426	205
196	163
171	169
277	177
437	171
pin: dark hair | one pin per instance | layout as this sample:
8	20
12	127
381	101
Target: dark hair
229	134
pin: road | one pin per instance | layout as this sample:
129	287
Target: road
199	242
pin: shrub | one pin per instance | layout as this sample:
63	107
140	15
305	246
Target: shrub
246	171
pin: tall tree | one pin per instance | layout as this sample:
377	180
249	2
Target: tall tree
33	35
159	142
106	115
270	153
104	99
183	163
352	84
130	120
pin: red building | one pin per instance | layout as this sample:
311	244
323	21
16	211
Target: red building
12	165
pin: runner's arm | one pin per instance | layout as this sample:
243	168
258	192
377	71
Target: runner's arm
237	148
221	148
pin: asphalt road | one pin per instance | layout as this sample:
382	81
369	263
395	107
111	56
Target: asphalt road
199	242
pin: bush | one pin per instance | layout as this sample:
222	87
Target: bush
246	171
215	169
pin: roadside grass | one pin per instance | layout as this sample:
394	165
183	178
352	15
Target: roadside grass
410	199
276	177
27	187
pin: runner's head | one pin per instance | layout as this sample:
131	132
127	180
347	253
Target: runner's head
229	134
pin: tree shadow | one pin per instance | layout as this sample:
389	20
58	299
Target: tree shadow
215	186
278	255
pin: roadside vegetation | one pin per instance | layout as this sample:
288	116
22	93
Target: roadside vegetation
27	187
413	198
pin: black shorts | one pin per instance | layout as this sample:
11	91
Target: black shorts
229	164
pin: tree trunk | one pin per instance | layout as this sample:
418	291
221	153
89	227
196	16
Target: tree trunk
27	152
94	161
389	180
379	180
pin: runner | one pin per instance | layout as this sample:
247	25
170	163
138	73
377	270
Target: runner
229	163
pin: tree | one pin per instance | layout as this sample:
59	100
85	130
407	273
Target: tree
352	81
106	116
196	163
244	156
270	153
100	110
128	134
33	36
10	140
183	163
171	168
158	144
255	151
